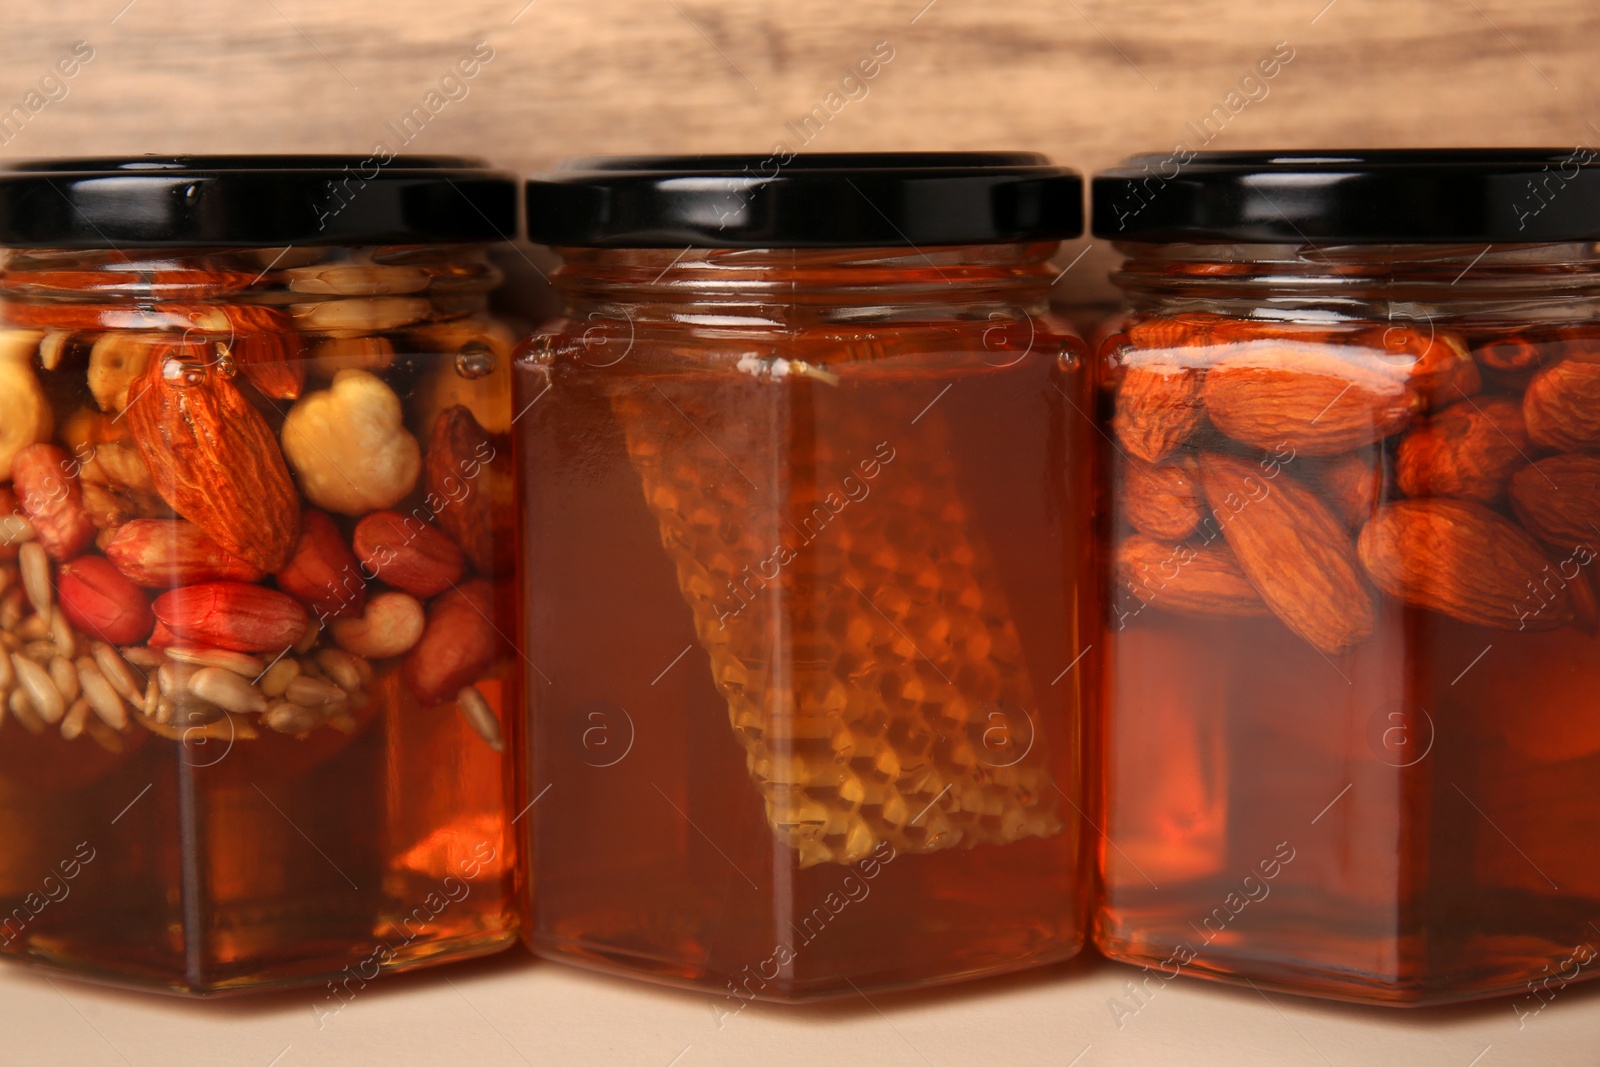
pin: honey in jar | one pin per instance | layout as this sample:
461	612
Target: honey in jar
256	566
1352	481
806	598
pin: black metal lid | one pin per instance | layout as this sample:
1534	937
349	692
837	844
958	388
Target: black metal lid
825	199
263	200
1365	195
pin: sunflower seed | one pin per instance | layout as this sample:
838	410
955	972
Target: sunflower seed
341	668
308	639
480	716
62	634
174	677
11	609
104	736
42	692
34	628
77	716
289	718
22	711
122	677
237	662
226	690
36	578
102	698
65	677
278	676
314	693
143	656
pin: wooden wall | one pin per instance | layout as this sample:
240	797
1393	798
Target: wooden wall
1086	81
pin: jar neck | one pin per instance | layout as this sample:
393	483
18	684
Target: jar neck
796	287
1321	283
454	277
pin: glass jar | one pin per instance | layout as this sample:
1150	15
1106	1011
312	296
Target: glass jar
255	570
1353	488
805	574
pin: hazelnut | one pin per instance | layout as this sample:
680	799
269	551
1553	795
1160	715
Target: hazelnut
349	447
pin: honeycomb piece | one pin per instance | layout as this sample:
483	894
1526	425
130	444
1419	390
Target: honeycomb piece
861	666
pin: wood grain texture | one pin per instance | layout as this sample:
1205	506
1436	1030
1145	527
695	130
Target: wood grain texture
1087	81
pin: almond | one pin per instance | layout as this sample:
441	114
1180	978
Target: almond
267	349
1462	560
1468	450
1317	400
1200	580
97	599
1558	499
1157	409
214	458
1511	360
471	490
1294	550
46	481
458	643
1183	331
1162	500
164	553
408	554
1355	483
1434	364
1511	353
1562	405
323	573
232	615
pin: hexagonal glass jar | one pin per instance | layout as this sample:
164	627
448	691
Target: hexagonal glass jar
254	571
1353	482
803	503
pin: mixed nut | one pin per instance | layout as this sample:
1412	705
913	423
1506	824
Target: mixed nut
1300	471
235	488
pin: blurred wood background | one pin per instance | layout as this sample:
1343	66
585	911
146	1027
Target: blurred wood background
1087	81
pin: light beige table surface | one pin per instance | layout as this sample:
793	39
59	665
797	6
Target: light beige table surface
515	1010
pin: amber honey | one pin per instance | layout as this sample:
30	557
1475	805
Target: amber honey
214	866
806	601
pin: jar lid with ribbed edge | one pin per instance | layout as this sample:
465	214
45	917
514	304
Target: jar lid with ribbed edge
254	200
814	200
1434	196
